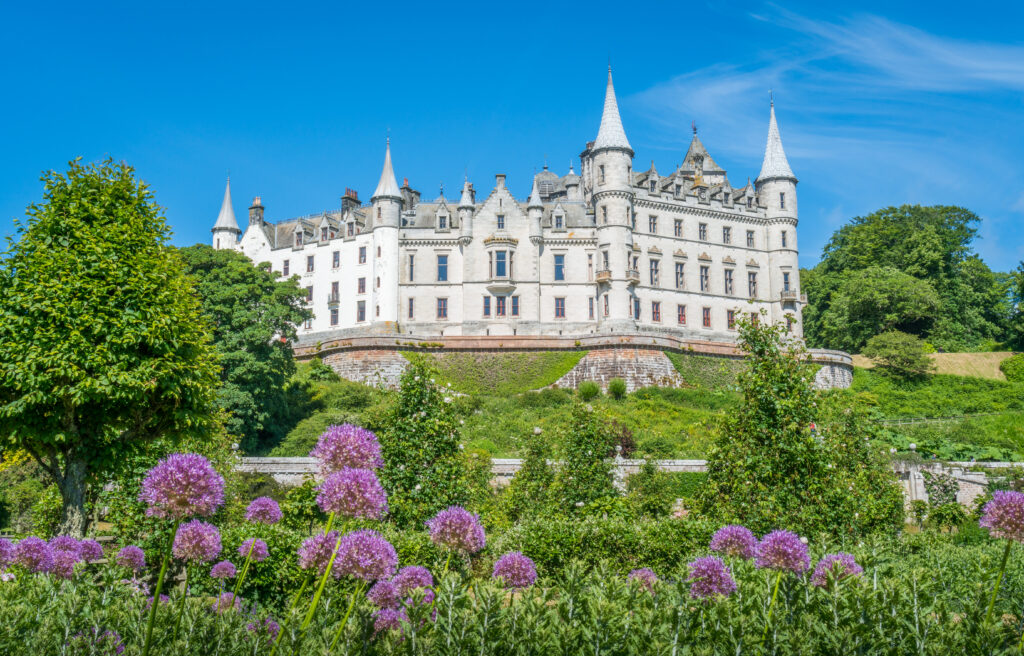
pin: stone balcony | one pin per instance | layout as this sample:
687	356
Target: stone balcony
792	295
633	276
604	275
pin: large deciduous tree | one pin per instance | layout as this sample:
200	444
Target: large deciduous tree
253	314
102	344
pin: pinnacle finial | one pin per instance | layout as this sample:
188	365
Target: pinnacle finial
611	133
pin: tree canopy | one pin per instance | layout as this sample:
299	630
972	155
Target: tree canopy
102	344
253	315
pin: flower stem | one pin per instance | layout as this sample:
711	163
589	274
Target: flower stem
245	570
319	591
298	595
181	606
156	593
771	607
446	563
352	602
999	581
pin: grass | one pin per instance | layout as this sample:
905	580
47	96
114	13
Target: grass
978	365
501	374
706	370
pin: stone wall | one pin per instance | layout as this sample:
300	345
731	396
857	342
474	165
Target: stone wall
637	367
369	366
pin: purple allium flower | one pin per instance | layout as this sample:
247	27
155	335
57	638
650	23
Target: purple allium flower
6	552
259	549
353	493
131	557
225	602
138	587
515	570
709	577
107	643
839	565
64	564
347	446
365	555
389	619
782	550
644	577
411	578
91	550
734	540
182	485
197	542
384	594
67	545
316	551
164	599
263	510
6	577
271	627
225	569
34	554
1003	516
457	528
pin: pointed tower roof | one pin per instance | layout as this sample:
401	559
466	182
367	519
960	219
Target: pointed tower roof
388	186
534	200
611	133
226	218
695	150
775	164
467	195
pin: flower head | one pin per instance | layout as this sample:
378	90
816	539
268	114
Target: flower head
34	554
131	557
164	599
182	485
389	619
1003	516
411	578
353	493
347	446
225	602
315	552
644	577
270	626
107	643
365	555
782	550
64	564
385	594
734	540
515	570
196	542
458	529
67	545
6	552
840	565
225	569
91	550
263	510
709	578
259	551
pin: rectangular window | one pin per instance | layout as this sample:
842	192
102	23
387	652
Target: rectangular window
487	306
656	311
606	305
559	266
750	238
362	254
752	284
309	264
783	238
412	268
702	232
284	268
782	200
361	286
499	306
785	281
591	307
652	224
604	261
309	294
706	317
789	323
559	308
442	222
681	314
515	306
590	266
705	278
501	221
298	239
750	201
334	316
730	319
308	324
652	186
442	268
334	291
600	173
636	309
726	235
754	318
336	259
679	276
323	234
500	264
361	311
677	228
728	282
351	229
442	308
559	221
604	214
655	275
412	308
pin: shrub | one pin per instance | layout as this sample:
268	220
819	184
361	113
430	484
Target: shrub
1013	368
947	516
529	493
899	355
650	491
617	388
941	488
589	390
585	475
320	372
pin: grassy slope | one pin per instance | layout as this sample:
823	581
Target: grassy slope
501	374
980	365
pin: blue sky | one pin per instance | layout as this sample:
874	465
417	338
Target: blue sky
878	104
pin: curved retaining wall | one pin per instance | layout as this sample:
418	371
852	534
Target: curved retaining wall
637	358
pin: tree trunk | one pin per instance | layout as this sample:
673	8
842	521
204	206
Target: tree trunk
72	492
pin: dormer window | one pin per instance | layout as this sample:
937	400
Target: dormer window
559	222
351	229
750	201
442	221
653	184
727	197
679	189
298	239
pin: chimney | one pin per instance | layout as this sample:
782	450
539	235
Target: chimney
256	211
499	180
349	201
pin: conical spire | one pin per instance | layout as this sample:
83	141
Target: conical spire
387	186
467	195
611	134
775	164
534	200
226	218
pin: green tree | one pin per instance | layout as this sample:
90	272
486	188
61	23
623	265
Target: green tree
529	493
1015	294
585	474
419	437
102	343
253	314
899	355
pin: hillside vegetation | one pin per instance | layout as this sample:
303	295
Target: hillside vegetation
500	374
979	365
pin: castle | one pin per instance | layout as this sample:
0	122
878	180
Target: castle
608	250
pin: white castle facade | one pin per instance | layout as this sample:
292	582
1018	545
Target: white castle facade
608	250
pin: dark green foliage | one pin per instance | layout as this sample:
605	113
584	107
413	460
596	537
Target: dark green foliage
650	491
585	474
1015	293
899	355
103	347
588	390
22	483
617	388
947	516
321	373
419	434
941	488
768	471
501	373
1013	368
529	493
686	485
253	314
707	371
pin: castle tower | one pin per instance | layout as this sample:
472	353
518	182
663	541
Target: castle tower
386	204
609	163
465	209
535	211
776	191
226	231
